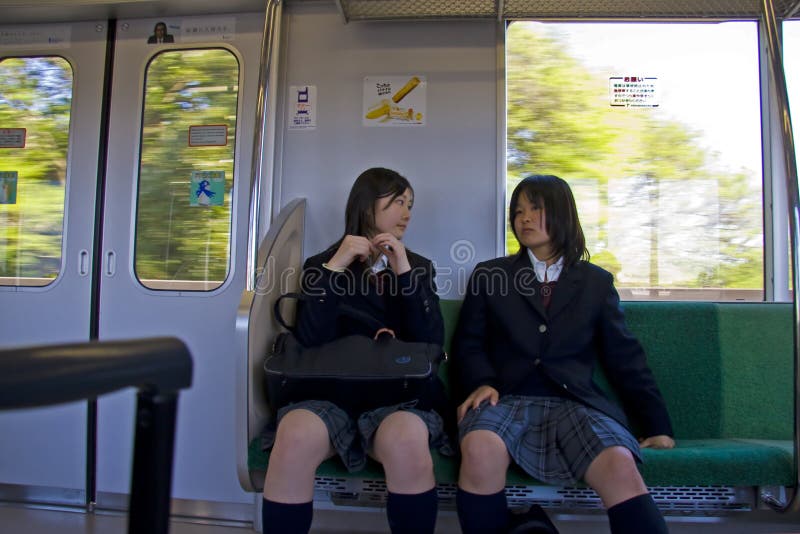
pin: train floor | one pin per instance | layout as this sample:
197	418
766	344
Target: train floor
16	519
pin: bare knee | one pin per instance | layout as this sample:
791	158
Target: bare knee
302	437
402	439
484	461
613	461
614	476
401	445
484	448
301	444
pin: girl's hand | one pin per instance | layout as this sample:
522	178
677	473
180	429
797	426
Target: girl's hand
475	399
657	442
352	247
395	252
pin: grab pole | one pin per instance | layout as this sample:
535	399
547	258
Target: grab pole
793	202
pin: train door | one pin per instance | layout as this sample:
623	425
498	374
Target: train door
51	87
175	230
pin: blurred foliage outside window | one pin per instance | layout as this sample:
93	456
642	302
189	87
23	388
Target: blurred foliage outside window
665	207
183	224
35	95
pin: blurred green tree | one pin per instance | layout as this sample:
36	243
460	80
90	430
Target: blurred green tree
174	239
559	121
36	95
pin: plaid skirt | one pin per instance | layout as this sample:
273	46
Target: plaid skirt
352	438
553	439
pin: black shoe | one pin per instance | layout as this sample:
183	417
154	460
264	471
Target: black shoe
534	521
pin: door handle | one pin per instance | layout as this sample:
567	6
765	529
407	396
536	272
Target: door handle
111	263
83	262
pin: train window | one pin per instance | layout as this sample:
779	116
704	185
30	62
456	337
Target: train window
35	102
657	129
183	217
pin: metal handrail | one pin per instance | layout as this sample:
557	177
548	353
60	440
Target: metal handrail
793	201
258	139
46	375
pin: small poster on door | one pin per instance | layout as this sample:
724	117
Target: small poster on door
303	105
207	188
13	137
394	100
8	187
208	135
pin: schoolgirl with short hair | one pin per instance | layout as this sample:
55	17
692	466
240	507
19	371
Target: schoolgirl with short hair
526	352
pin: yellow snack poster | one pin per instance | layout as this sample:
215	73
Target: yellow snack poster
394	100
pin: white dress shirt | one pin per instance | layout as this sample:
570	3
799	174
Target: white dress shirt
543	272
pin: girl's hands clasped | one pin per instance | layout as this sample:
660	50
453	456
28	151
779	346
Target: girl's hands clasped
352	247
358	247
395	252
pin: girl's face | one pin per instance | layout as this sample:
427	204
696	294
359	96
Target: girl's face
392	215
530	225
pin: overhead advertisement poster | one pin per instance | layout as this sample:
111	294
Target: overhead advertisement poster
394	100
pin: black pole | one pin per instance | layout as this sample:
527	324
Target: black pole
94	312
151	477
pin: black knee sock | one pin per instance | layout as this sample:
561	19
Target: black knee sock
412	514
637	515
282	518
482	514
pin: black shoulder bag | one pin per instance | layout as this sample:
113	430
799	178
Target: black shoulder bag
354	372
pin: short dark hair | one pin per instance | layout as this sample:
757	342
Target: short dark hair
562	222
372	184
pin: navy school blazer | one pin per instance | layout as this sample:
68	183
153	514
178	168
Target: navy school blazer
504	334
408	304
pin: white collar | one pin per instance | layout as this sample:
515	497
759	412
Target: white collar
543	272
380	264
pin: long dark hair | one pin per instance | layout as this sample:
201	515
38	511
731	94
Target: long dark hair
562	222
372	184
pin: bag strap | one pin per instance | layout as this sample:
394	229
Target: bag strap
344	309
277	309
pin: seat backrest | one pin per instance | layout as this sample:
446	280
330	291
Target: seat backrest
279	265
724	369
681	340
450	309
757	369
